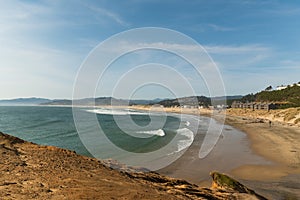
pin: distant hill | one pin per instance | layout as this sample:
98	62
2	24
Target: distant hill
25	101
190	101
99	101
89	102
200	101
288	97
145	102
102	101
58	102
226	99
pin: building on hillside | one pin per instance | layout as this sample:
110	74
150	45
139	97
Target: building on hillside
157	106
254	105
188	106
222	107
282	87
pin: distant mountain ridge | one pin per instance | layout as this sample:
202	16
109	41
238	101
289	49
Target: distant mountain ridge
102	101
84	101
99	101
24	101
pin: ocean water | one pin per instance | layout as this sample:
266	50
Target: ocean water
152	140
42	125
124	134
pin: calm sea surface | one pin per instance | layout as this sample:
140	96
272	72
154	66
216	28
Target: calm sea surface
42	125
55	126
151	140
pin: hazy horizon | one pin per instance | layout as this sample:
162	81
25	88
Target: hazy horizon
34	97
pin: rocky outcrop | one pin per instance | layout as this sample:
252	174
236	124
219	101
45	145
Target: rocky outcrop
224	182
30	171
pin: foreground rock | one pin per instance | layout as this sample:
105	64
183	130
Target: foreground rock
222	181
30	171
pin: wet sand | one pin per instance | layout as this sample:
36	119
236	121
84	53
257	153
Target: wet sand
280	144
231	151
265	158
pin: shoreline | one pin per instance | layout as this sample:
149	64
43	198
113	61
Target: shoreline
278	144
286	163
250	125
31	171
274	152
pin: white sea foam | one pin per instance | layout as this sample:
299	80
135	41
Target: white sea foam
116	112
158	132
183	144
187	123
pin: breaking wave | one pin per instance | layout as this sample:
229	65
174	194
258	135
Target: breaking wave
158	132
116	112
182	144
185	143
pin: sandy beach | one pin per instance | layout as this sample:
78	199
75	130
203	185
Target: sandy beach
265	157
31	171
280	144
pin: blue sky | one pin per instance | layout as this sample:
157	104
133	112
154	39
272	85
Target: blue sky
43	43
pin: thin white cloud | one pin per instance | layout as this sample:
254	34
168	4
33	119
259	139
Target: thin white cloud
211	49
18	18
241	49
22	56
254	2
19	10
105	12
271	7
227	57
36	71
242	57
33	65
88	43
287	64
221	28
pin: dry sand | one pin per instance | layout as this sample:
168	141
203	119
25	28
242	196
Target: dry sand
276	175
280	144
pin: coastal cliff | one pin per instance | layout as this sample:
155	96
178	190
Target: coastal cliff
31	171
